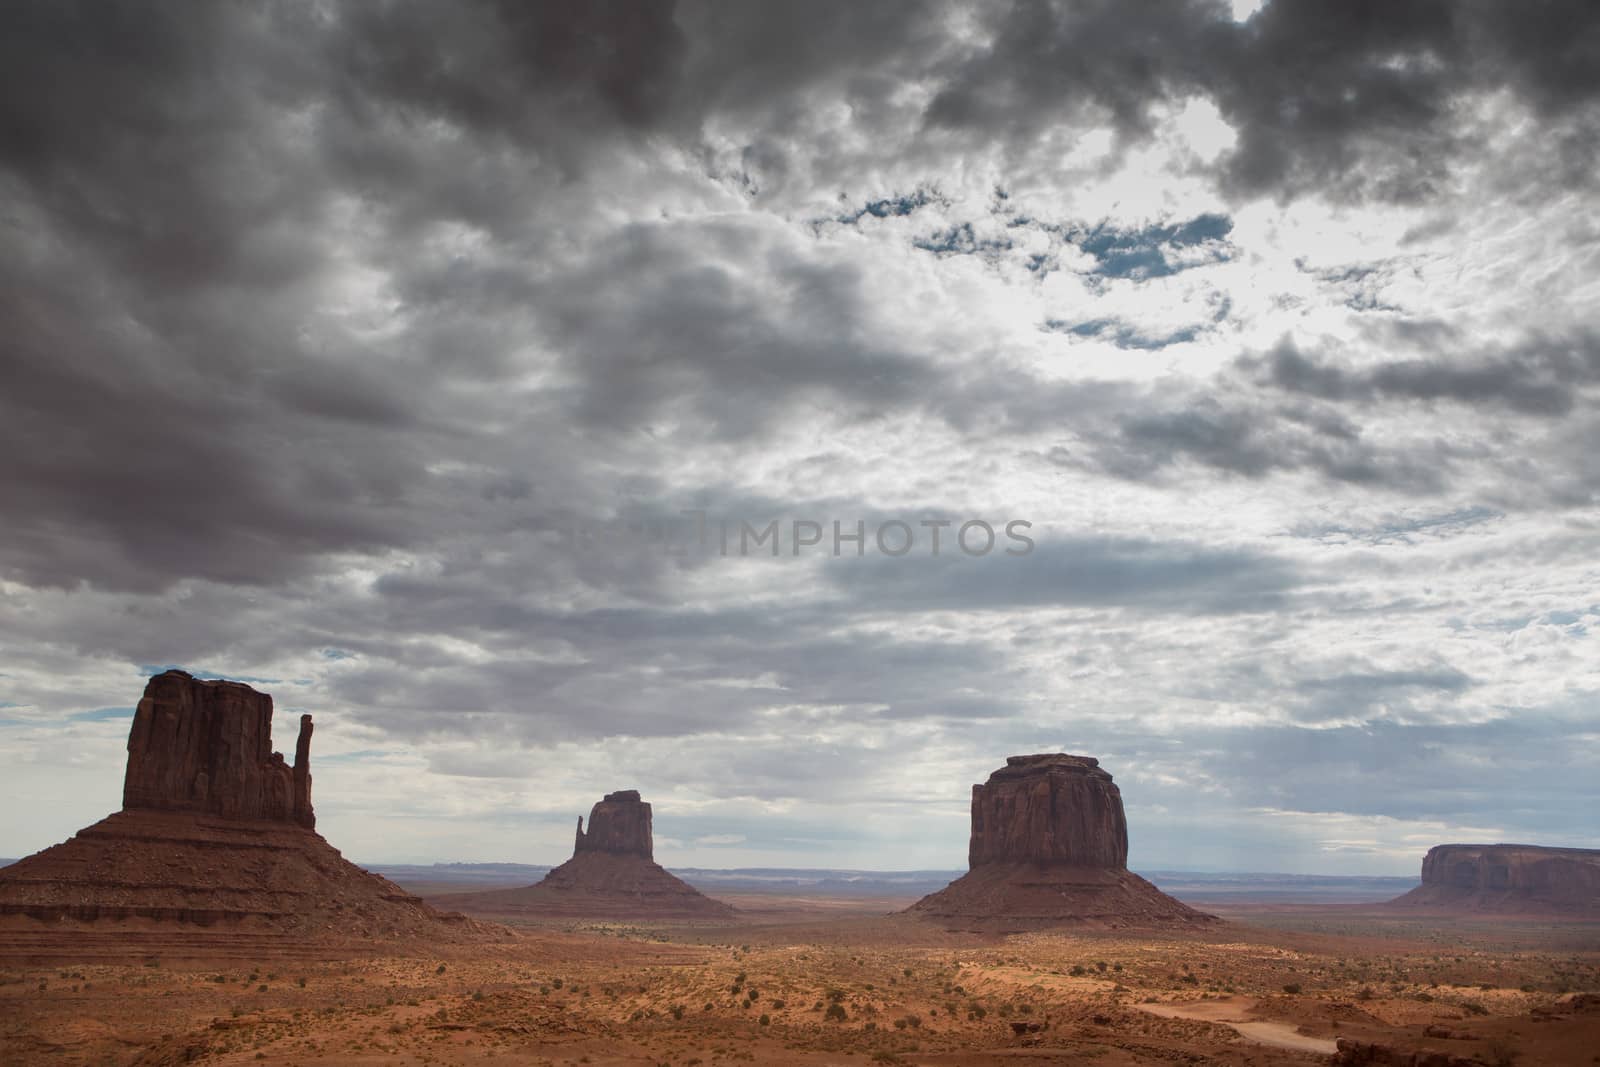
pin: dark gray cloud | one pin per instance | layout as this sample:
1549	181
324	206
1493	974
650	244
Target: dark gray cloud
326	327
1539	377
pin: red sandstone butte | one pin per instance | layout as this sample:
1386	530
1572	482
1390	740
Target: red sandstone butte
612	874
1508	879
215	830
1049	847
206	746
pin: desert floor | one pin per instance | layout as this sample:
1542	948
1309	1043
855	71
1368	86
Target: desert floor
809	981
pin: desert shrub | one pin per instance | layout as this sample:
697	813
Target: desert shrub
1291	987
1502	1053
677	1011
1101	965
1365	993
1077	970
836	995
835	1011
777	1005
1472	1007
765	1020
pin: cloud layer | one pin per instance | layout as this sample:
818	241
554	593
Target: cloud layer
335	335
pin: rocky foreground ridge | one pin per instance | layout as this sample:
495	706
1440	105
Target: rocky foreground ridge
1049	846
1508	879
612	874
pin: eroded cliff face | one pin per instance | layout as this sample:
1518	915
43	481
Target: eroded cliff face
206	746
619	824
1049	808
1508	880
1531	868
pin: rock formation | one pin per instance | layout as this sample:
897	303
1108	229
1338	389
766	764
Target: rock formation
206	746
612	874
216	829
1049	846
619	824
1530	879
1049	809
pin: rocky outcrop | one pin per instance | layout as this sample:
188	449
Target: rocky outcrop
1508	879
206	746
215	831
1051	808
1049	846
619	824
612	874
1353	1053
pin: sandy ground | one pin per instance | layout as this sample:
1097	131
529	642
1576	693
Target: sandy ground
803	981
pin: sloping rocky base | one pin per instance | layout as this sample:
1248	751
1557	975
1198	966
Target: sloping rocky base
596	885
201	870
1031	896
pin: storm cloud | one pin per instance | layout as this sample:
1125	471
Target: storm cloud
335	333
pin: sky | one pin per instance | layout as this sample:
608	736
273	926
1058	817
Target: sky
394	357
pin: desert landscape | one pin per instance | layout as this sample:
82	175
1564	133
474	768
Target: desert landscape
208	922
695	533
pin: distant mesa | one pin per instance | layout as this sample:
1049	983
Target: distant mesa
612	874
215	828
1049	847
1508	879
